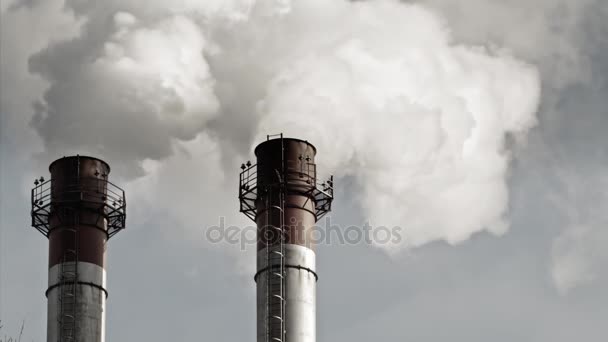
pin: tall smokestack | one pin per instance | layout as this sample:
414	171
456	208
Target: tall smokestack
283	196
78	209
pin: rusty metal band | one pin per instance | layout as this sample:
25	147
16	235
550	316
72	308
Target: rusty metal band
255	277
99	287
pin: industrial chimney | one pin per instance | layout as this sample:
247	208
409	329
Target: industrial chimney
283	196
78	209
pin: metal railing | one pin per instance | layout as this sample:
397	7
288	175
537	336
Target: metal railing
103	197
321	192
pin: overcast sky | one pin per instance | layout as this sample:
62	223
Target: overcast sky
477	126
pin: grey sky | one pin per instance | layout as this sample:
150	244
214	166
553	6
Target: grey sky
543	280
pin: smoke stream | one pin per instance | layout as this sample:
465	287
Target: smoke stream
381	88
422	123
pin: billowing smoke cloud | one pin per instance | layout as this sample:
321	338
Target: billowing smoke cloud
421	122
571	59
125	88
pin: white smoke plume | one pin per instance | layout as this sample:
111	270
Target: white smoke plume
420	122
125	88
570	56
423	124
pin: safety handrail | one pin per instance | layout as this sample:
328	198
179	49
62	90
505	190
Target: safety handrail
110	198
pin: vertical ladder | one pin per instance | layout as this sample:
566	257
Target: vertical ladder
68	291
275	254
68	277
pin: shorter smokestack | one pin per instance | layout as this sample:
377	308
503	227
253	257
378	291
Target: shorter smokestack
78	209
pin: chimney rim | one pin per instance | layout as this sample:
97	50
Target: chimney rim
259	146
78	156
